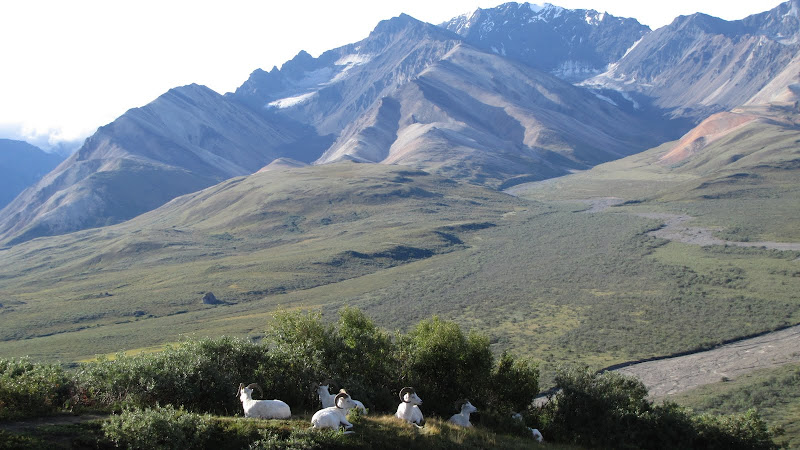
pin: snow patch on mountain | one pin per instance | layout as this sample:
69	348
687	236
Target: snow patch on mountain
571	70
536	8
593	17
291	101
355	59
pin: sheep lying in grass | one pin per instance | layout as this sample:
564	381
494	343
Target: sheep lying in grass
262	409
409	409
327	399
335	416
462	418
535	433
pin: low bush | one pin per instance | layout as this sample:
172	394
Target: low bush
609	410
201	376
29	389
159	427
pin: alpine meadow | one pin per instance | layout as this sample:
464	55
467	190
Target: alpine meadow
515	210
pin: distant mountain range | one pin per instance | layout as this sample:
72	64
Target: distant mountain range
21	165
570	44
699	65
485	98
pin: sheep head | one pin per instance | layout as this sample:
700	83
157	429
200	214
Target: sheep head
465	406
409	395
322	388
249	389
343	400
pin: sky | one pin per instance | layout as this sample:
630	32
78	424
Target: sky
68	67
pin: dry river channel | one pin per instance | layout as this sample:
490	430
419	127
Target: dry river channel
672	375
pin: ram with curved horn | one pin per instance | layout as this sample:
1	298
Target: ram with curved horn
335	416
327	399
409	410
262	409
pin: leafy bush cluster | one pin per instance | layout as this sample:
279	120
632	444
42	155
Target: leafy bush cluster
443	363
201	376
435	357
609	410
29	389
160	427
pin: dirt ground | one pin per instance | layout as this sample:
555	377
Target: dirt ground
675	229
674	375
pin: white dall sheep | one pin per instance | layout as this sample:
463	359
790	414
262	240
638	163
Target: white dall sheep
327	399
262	409
335	416
409	409
535	433
462	419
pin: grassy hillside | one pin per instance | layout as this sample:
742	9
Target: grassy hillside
744	183
236	433
547	280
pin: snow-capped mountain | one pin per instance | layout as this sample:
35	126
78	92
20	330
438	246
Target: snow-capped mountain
570	44
487	98
699	65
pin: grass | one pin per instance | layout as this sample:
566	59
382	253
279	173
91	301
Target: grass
774	392
236	433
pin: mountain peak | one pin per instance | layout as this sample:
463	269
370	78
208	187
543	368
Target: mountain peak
571	44
396	24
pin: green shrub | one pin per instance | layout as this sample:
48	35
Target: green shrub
444	365
29	389
307	439
355	353
158	428
609	410
737	431
201	376
302	349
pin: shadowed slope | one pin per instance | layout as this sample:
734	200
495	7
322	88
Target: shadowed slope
187	139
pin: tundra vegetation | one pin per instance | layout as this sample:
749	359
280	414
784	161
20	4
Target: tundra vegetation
184	395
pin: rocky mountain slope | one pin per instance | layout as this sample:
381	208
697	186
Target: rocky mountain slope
699	65
21	165
570	44
482	117
187	139
428	96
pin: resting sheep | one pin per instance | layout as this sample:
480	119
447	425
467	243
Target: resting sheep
462	419
335	416
327	399
409	409
535	433
262	409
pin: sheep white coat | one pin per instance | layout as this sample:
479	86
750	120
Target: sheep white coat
409	409
326	398
263	409
462	419
334	416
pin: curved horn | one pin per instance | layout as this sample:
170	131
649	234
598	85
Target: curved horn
255	385
461	402
341	394
404	391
